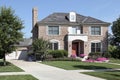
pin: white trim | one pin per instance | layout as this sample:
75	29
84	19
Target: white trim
101	30
59	30
95	41
77	37
46	29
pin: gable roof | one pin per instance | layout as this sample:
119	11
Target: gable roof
63	18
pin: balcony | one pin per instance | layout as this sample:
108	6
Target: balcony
76	33
72	37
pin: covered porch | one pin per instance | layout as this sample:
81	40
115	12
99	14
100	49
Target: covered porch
77	44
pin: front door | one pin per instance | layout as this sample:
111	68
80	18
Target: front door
74	48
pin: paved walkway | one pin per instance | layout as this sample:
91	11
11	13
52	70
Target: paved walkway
45	72
13	73
95	70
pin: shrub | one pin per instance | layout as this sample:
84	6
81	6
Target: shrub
40	48
94	55
106	54
114	51
1	56
65	53
58	53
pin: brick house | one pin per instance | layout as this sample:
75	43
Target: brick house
73	32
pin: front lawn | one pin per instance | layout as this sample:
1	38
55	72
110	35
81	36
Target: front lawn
73	65
18	77
115	60
109	75
9	67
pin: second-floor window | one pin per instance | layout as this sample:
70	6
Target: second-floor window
95	30
53	30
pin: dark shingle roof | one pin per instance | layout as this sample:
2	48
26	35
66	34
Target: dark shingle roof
25	42
63	18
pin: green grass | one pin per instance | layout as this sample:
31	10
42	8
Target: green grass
115	60
74	65
110	75
18	77
9	68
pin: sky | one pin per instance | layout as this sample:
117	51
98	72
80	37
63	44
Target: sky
105	10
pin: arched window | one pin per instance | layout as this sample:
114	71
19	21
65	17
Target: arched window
96	46
54	44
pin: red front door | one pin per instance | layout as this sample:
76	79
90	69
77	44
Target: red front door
74	49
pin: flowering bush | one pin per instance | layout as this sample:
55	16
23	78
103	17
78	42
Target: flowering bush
73	56
90	60
101	59
82	55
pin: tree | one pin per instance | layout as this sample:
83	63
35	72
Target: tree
110	39
116	38
10	31
116	32
40	47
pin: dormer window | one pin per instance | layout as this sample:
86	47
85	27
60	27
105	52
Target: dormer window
72	17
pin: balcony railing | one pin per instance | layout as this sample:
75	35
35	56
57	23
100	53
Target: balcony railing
82	37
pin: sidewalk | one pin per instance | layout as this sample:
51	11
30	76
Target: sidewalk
45	72
95	70
13	73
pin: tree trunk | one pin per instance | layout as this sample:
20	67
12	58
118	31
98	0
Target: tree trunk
4	60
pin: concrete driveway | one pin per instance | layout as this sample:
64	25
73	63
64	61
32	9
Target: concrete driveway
45	72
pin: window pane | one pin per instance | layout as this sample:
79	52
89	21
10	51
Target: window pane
55	46
50	46
98	50
95	30
53	30
93	45
92	49
98	45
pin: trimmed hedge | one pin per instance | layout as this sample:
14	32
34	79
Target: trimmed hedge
58	53
95	55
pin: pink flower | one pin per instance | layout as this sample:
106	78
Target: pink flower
90	60
73	56
82	55
102	59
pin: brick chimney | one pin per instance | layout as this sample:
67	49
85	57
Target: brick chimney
34	16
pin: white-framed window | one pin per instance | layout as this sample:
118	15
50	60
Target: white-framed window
95	30
53	30
54	44
95	46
